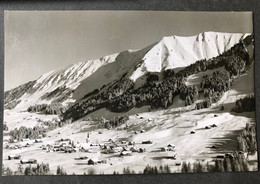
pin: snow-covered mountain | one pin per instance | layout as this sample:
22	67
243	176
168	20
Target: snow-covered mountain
75	81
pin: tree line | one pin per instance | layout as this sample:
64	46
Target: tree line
39	169
121	96
246	104
230	162
53	108
27	133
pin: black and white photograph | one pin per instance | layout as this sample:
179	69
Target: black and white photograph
128	92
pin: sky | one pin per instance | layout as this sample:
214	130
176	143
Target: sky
37	42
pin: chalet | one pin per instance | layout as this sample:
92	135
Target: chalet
18	146
147	142
55	149
134	149
93	144
102	146
26	144
81	158
103	161
26	139
37	140
125	148
164	149
171	146
177	163
93	161
111	141
124	153
213	146
13	147
123	142
69	150
131	143
30	161
142	150
117	149
10	157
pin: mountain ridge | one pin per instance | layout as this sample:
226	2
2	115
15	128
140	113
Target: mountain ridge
169	53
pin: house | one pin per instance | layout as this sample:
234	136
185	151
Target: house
207	127
118	149
103	161
124	153
213	146
10	157
171	146
30	161
125	148
141	150
26	139
164	149
131	143
81	158
147	142
134	149
111	141
177	163
37	140
93	161
93	144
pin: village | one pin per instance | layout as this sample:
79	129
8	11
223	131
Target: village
110	147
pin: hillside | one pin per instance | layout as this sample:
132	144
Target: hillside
72	83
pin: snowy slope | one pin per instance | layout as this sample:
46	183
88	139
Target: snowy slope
176	51
169	53
70	77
